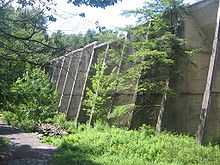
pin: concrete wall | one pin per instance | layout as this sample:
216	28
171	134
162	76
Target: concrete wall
72	74
184	110
69	73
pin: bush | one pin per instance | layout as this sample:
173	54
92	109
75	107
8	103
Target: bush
35	100
60	121
4	145
109	146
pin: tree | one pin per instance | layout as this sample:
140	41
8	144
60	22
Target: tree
160	50
94	3
24	39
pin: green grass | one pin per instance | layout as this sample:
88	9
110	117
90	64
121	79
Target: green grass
111	146
4	144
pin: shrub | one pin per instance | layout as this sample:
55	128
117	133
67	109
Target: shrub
109	146
35	100
60	121
4	145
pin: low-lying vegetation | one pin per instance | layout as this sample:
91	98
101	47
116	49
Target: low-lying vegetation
110	146
34	101
159	54
4	149
4	144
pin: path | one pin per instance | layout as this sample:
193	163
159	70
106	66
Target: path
26	148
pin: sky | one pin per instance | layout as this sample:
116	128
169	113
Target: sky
69	22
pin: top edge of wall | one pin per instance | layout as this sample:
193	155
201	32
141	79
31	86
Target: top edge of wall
202	3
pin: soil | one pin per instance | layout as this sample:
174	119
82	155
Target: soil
25	148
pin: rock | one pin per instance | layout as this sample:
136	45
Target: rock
5	155
50	130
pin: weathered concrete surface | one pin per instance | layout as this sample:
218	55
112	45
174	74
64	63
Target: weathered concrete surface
72	72
68	80
78	89
184	110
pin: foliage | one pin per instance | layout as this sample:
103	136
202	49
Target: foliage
94	3
72	41
4	149
98	94
34	100
104	145
159	52
121	110
4	145
59	120
106	81
76	41
160	49
107	35
24	38
47	3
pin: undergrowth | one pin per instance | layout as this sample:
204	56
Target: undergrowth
4	145
33	100
4	149
103	145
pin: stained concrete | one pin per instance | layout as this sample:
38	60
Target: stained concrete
184	110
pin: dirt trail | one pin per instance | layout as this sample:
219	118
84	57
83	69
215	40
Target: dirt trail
26	148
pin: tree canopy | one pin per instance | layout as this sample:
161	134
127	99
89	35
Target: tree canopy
24	39
94	3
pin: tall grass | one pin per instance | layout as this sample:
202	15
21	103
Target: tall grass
111	146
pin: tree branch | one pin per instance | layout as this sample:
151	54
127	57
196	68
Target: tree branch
29	38
23	60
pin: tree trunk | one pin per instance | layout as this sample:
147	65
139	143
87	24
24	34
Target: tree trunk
162	108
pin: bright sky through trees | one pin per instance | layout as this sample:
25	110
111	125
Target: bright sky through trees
68	22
